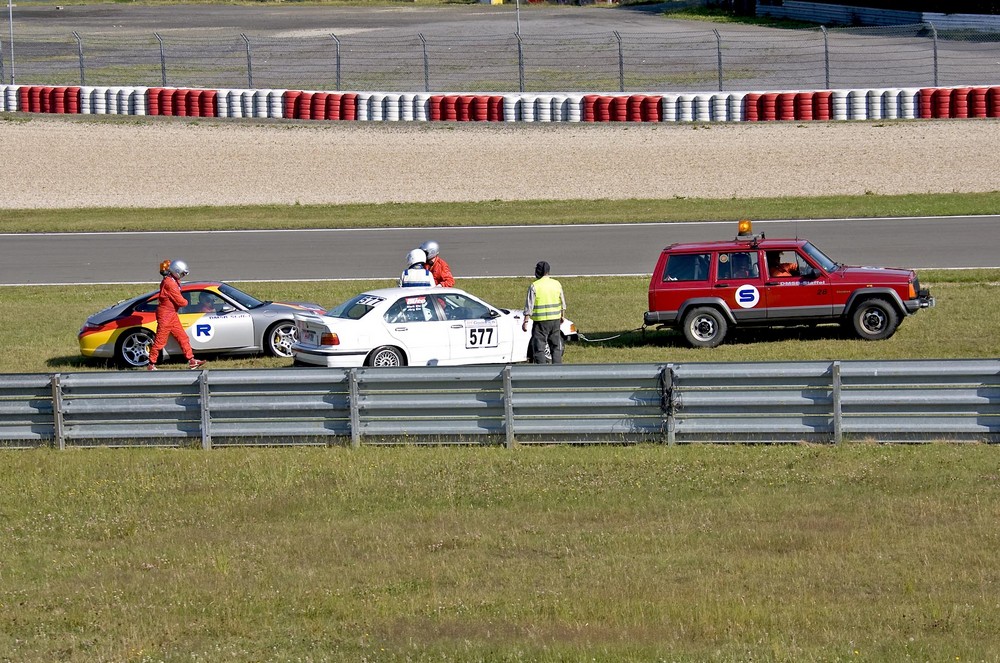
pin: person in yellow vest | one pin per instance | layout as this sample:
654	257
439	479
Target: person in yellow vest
545	307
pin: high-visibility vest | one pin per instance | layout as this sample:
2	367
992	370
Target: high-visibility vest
548	300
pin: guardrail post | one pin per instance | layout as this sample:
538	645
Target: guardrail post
508	406
79	49
57	411
621	63
838	425
667	402
337	42
163	60
249	62
718	50
826	54
935	42
354	399
427	64
206	411
520	63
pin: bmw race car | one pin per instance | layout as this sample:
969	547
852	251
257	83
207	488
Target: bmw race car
416	327
218	318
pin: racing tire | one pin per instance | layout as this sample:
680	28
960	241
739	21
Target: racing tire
385	356
705	327
874	320
279	338
132	349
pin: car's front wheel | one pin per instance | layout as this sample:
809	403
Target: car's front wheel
132	350
279	338
386	356
705	327
875	319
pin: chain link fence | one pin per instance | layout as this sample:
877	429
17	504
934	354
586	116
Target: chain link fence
674	61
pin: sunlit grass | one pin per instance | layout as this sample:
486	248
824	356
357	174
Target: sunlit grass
859	552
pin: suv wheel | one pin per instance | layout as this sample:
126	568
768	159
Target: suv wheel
705	327
875	319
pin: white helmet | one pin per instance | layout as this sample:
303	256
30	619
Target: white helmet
415	256
431	248
179	268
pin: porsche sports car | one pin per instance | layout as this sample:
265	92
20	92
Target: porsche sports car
416	327
219	319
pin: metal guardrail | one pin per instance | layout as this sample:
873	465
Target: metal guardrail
672	59
830	401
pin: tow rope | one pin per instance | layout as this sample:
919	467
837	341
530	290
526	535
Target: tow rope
583	337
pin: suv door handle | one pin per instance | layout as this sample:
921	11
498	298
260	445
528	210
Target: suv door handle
723	285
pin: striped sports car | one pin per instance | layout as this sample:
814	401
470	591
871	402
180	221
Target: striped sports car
219	319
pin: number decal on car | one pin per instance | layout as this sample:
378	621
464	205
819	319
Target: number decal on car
481	334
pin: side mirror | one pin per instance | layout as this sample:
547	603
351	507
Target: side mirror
226	308
494	314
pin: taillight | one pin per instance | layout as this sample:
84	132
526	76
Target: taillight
913	290
329	339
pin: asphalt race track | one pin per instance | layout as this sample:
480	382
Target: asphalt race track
294	255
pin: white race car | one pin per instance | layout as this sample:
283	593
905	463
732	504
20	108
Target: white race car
415	327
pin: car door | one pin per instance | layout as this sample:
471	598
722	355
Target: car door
477	334
213	323
795	289
414	323
738	282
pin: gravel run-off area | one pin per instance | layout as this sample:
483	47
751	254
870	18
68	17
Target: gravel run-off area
59	162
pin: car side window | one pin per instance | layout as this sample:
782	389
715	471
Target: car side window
785	264
148	306
202	301
419	308
460	307
738	265
687	267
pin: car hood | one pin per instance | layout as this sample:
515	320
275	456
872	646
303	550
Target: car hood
874	274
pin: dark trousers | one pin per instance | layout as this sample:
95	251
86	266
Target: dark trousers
546	342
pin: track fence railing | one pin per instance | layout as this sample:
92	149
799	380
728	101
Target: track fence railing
676	59
821	402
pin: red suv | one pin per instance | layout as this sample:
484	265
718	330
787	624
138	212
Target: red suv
706	288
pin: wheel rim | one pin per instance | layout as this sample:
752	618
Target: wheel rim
703	328
385	358
873	320
282	338
135	349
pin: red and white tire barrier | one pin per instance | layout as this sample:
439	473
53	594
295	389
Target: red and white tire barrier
791	105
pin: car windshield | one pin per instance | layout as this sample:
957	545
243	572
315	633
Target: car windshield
821	258
239	296
356	308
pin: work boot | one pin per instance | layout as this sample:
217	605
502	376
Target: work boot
151	367
195	363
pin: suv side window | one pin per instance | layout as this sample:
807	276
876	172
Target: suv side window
687	267
740	265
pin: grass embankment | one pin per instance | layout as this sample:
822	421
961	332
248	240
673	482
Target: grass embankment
727	553
532	212
962	325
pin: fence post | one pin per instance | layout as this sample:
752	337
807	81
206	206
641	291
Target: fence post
79	48
826	54
57	411
427	66
621	63
838	424
354	401
206	412
520	62
3	76
337	42
935	42
163	61
667	402
718	50
508	406
249	62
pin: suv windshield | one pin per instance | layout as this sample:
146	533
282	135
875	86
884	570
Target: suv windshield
821	258
356	308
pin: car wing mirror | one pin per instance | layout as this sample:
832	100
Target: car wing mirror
226	308
494	314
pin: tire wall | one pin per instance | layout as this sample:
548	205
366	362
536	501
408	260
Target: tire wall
793	105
